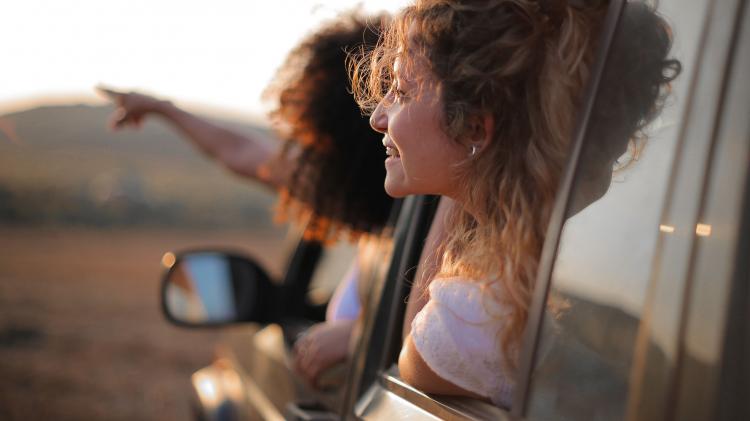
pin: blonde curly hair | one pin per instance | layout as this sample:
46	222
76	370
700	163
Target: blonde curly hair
526	68
525	64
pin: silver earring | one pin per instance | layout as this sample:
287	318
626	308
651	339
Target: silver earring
473	150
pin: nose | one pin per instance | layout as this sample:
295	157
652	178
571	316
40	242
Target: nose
379	119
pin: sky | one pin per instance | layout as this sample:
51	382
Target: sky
215	55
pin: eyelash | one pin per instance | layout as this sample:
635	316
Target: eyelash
399	94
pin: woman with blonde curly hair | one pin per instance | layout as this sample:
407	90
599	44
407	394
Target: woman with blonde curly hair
477	102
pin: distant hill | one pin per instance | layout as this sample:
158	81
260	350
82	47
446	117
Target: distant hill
61	164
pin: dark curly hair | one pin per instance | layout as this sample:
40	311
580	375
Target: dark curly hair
336	183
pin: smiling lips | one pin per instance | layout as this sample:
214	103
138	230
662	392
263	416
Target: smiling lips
390	148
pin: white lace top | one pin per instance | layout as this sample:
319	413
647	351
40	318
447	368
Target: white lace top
456	334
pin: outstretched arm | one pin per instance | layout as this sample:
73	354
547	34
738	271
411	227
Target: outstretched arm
244	155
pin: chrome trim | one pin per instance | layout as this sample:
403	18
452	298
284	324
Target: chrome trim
392	398
382	404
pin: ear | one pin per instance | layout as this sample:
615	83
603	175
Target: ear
481	130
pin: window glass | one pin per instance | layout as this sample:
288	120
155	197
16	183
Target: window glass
602	270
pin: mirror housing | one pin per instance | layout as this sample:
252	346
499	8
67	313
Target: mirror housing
213	288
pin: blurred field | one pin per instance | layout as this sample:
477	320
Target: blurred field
81	333
85	216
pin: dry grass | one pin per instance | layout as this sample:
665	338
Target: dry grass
81	333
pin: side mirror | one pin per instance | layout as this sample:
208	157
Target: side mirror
212	288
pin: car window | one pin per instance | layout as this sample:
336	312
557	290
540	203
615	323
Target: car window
715	358
602	272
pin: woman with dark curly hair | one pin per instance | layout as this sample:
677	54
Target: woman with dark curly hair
327	169
477	102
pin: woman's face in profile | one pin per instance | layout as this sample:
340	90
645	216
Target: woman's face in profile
420	155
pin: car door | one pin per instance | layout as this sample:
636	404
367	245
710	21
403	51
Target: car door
650	281
647	269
